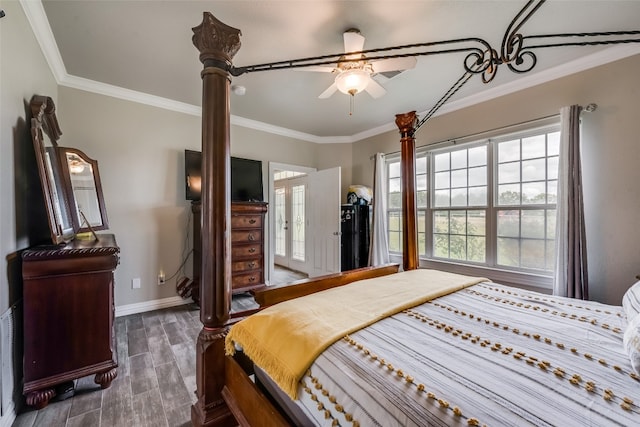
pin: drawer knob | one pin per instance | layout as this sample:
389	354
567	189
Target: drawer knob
251	264
252	221
252	250
252	278
251	237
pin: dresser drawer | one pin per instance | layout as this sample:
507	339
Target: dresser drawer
246	221
246	265
245	280
244	251
246	236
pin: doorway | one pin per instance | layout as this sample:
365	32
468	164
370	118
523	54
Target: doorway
291	220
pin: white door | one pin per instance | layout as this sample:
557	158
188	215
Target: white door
291	222
324	213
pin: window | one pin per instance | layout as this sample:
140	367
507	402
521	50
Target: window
487	203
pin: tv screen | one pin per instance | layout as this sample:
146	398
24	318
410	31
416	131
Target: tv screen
192	173
246	178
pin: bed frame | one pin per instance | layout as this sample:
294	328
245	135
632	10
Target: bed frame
226	396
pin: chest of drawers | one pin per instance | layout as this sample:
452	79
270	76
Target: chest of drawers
247	245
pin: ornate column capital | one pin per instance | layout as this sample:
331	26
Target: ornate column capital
216	40
406	123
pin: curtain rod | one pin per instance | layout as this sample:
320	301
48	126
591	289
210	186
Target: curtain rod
589	108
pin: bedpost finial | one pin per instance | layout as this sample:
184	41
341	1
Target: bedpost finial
215	39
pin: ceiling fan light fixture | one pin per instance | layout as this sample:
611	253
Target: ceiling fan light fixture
351	82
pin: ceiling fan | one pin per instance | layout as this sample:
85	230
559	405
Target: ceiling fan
354	71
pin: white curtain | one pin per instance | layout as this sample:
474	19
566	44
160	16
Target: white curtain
570	277
379	253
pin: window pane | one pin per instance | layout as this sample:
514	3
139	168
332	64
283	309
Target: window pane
441	162
459	159
457	247
509	151
441	180
551	223
509	194
395	223
395	201
458	224
550	257
533	147
533	224
459	197
421	199
394	185
508	172
552	167
281	248
478	176
459	178
508	223
508	252
533	254
533	170
441	246
442	198
422	239
421	182
394	170
478	156
421	165
553	144
534	193
395	241
441	222
478	196
476	249
476	223
552	192
298	222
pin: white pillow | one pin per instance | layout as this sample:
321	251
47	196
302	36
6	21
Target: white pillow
631	342
631	301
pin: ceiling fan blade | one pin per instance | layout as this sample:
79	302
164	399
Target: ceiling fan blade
317	68
374	89
353	42
329	91
394	64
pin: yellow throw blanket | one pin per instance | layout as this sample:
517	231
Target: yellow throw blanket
286	338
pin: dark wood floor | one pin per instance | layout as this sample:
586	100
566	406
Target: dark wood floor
156	373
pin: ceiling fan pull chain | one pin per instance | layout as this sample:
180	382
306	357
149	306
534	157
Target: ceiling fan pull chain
351	104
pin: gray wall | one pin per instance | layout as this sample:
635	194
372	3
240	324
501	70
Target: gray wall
611	155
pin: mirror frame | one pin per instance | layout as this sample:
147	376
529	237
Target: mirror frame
44	122
78	223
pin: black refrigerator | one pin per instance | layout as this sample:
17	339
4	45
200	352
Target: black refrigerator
354	241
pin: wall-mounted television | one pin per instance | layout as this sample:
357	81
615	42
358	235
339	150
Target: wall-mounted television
246	178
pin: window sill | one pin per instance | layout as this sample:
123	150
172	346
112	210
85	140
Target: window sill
535	282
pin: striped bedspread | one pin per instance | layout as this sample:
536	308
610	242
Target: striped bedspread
486	355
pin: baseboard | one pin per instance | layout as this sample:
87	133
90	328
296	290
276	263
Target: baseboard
141	307
9	416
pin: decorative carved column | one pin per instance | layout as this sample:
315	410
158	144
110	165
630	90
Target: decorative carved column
407	126
217	43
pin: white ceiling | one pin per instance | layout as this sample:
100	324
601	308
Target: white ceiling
117	47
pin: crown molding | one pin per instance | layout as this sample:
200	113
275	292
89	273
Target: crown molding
42	30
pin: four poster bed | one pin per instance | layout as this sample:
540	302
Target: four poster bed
380	347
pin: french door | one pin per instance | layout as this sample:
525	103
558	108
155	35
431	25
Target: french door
291	222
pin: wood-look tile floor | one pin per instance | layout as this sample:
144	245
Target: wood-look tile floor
156	379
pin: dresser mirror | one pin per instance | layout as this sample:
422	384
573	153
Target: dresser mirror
70	180
45	132
85	190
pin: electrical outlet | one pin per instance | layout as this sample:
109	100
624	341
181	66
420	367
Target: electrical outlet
161	278
135	283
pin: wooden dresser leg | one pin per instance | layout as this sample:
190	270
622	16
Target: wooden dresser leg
39	399
211	409
105	378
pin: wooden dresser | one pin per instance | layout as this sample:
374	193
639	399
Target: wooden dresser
68	315
247	246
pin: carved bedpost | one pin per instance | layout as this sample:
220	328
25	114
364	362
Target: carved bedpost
407	126
217	43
